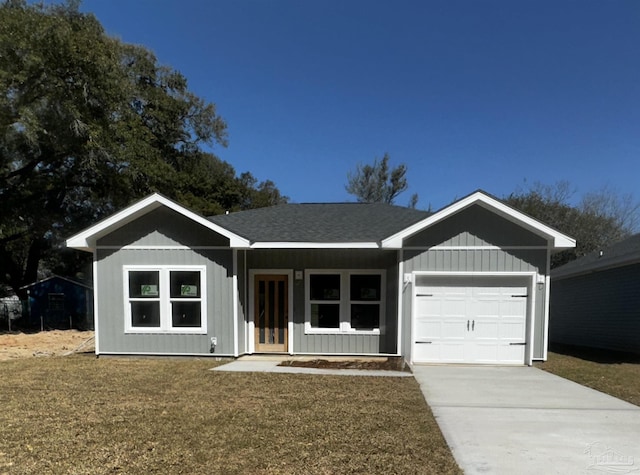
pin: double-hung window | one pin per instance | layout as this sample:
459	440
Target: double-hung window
165	299
340	301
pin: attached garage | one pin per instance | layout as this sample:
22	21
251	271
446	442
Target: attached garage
475	284
471	319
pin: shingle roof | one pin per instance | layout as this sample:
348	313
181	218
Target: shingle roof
320	222
621	253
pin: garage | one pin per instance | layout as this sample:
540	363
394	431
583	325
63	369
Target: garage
480	320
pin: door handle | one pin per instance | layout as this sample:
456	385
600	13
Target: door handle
467	325
473	326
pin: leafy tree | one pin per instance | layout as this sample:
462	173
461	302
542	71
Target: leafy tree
88	124
378	183
599	219
259	195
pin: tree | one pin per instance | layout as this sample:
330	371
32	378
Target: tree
599	219
87	125
259	195
377	183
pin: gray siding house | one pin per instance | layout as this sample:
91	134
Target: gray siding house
596	299
467	284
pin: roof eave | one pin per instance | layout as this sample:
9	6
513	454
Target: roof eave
314	245
556	239
596	266
86	240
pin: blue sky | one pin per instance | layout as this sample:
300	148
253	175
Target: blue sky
469	94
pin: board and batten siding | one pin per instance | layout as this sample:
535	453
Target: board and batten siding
599	309
336	259
111	305
476	240
242	297
163	227
475	226
164	238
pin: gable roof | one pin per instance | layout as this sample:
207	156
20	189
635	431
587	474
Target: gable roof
620	254
556	239
320	224
86	240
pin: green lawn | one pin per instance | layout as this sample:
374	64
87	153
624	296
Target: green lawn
607	371
82	415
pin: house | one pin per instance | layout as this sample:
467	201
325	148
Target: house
467	284
596	299
59	302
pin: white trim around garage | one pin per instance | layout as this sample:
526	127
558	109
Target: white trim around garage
547	296
530	317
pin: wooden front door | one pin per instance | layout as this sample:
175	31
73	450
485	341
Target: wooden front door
271	307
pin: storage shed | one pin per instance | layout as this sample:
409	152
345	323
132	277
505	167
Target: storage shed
59	302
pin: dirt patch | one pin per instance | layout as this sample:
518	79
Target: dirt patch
43	344
389	364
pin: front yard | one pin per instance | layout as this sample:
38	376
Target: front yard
82	415
607	371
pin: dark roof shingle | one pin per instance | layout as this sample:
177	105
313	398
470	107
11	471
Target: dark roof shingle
621	253
321	222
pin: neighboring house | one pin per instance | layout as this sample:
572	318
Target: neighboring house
467	284
596	299
58	302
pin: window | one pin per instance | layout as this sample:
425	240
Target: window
325	300
344	301
164	299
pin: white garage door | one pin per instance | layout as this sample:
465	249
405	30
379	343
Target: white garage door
470	324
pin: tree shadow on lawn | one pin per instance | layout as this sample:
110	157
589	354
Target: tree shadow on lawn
596	355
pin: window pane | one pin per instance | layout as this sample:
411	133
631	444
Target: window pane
185	284
144	284
325	315
145	314
325	286
365	287
365	316
186	314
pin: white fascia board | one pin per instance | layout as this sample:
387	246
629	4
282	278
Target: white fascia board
315	245
86	240
557	239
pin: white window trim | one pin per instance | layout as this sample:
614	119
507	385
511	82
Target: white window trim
165	300
344	302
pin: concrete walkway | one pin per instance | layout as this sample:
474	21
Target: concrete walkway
522	420
271	365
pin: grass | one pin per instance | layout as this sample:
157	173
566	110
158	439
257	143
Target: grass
617	374
81	415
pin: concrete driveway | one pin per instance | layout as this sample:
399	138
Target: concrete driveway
521	420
